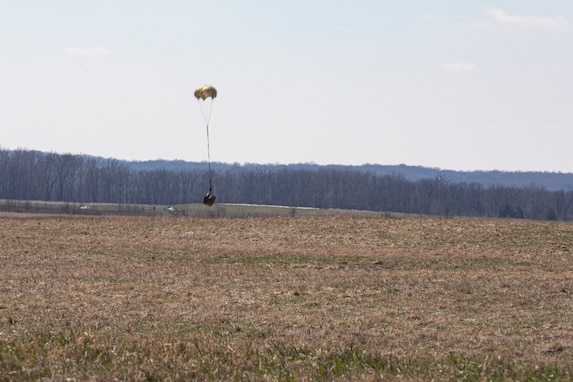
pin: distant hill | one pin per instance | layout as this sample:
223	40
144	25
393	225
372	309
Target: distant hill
552	181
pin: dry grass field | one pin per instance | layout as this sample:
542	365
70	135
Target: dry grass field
282	298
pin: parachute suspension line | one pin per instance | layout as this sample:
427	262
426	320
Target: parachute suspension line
209	161
207	118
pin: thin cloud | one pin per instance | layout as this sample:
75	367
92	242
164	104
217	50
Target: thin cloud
459	66
93	51
525	21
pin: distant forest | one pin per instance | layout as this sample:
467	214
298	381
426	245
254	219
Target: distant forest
34	175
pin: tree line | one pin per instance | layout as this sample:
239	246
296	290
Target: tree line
33	175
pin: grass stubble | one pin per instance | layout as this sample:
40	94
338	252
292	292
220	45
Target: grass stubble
326	298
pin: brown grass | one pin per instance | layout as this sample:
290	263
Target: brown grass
326	298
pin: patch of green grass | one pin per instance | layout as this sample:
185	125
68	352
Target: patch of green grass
279	259
84	353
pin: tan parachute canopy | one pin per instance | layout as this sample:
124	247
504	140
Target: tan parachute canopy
205	91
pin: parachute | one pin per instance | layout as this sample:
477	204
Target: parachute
206	95
205	91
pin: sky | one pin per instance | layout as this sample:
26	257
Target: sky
459	85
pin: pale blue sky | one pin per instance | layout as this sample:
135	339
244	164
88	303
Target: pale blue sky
462	85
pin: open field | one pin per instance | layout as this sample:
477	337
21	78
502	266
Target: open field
192	210
283	298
